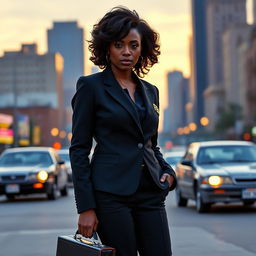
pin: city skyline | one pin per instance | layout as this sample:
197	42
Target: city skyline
27	25
174	28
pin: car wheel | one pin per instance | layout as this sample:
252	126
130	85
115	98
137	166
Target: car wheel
201	207
53	192
64	191
10	197
180	201
248	203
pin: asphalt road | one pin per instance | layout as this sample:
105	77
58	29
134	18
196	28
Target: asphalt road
30	226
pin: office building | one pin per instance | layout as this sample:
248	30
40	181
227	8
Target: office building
233	38
254	11
184	100
242	76
31	84
67	38
220	15
174	114
198	55
250	114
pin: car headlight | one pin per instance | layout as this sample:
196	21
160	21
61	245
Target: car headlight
42	176
216	181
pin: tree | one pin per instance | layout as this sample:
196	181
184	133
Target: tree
228	117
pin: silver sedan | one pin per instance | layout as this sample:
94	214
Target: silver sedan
217	171
32	170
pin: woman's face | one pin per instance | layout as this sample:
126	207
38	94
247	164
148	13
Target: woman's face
124	54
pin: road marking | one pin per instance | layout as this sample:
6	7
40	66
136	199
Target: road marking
38	232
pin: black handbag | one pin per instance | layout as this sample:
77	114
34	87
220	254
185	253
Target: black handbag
77	245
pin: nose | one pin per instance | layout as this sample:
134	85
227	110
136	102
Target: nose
126	51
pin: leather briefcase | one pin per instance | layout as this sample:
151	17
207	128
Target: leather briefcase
79	246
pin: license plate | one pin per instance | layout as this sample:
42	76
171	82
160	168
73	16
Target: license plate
12	188
249	193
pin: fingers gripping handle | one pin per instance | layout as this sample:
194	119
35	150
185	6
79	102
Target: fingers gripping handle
93	240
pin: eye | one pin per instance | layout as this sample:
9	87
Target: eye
134	46
118	45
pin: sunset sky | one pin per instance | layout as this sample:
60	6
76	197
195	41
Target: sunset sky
26	21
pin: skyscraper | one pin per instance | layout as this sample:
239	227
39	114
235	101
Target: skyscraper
198	63
233	38
174	114
220	15
68	39
254	11
250	115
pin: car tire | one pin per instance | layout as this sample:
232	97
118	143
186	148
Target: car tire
180	200
64	191
248	202
201	207
52	195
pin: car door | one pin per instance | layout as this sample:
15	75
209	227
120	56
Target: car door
188	173
60	171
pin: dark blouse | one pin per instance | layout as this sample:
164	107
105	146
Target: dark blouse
139	102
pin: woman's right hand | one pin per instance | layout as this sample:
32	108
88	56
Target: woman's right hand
87	223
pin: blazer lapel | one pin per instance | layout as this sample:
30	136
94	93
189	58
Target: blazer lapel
145	95
151	119
116	92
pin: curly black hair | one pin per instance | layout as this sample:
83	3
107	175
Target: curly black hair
114	26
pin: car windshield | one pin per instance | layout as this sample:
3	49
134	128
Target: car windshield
64	157
26	159
229	153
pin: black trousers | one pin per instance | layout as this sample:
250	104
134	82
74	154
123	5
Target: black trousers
135	223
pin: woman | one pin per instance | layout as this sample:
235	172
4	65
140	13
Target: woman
121	192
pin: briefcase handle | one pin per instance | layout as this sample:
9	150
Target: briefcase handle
91	241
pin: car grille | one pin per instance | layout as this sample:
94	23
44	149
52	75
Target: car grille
245	180
13	177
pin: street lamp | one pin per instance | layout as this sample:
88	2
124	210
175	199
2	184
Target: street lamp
62	134
54	132
180	131
204	121
186	130
192	127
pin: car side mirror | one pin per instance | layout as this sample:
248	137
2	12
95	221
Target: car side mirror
61	162
187	162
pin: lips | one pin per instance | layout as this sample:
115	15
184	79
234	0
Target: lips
126	62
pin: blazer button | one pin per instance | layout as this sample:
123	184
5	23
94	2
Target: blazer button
140	145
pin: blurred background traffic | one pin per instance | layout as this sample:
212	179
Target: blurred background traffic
214	97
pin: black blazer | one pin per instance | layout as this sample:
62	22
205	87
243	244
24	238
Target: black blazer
102	111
